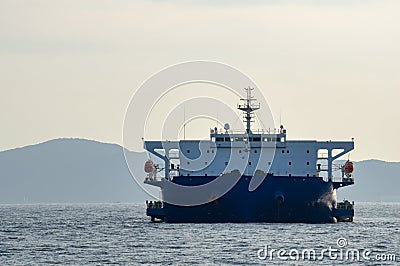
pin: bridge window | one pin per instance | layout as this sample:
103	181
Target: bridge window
219	139
228	139
257	139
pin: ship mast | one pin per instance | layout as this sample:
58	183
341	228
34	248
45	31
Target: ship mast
248	108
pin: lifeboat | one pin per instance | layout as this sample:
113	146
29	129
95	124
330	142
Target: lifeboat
348	168
149	166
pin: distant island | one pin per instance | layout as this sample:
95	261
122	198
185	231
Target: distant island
87	171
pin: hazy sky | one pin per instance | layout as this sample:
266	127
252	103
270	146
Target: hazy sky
331	68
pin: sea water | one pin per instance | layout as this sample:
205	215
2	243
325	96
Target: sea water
82	234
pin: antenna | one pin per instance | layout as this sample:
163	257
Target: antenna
184	122
227	127
248	108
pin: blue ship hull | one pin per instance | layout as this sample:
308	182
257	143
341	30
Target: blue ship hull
277	199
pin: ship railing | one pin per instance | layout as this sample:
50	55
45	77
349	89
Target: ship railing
256	131
348	179
242	131
152	177
154	204
345	205
173	173
322	155
323	168
236	138
336	178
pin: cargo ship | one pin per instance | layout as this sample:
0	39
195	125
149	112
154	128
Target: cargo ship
268	178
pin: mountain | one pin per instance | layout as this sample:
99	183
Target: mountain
78	170
68	170
374	181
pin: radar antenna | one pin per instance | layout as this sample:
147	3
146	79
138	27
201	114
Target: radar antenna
248	108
